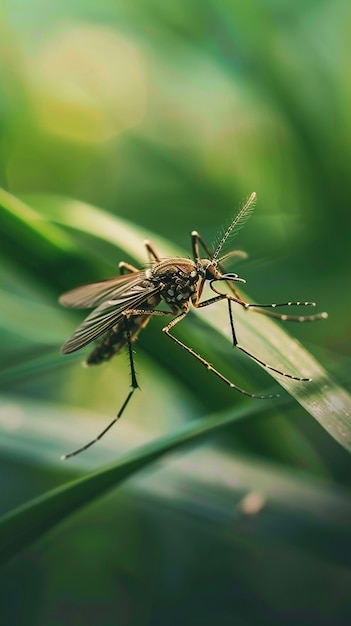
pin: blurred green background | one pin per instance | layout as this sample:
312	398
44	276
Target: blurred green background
168	114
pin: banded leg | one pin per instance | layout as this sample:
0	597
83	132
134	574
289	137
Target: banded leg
208	366
134	382
134	386
252	356
230	299
261	308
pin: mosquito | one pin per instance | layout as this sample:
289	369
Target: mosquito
124	305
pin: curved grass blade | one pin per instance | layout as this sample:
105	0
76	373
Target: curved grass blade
38	228
20	315
27	523
31	521
89	219
323	398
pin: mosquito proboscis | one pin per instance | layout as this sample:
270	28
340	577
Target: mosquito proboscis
123	306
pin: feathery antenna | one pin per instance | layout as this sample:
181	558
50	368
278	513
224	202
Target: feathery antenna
237	223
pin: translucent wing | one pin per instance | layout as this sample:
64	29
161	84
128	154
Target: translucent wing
94	294
108	314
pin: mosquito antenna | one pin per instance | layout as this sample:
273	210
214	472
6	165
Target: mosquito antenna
238	253
237	223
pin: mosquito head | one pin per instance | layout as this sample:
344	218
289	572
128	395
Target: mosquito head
207	269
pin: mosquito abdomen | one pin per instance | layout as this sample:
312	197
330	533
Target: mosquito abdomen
117	338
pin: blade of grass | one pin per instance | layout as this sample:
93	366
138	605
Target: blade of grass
20	315
39	229
89	219
21	527
323	398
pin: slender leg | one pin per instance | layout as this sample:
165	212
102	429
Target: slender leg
134	382
151	251
288	318
252	356
124	268
256	308
230	299
134	386
208	366
260	308
196	239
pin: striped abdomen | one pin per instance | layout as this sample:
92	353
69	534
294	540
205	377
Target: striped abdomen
117	338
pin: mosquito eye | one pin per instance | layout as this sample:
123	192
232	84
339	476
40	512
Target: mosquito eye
209	275
210	272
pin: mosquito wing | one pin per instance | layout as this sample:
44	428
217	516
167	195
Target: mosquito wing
94	294
109	313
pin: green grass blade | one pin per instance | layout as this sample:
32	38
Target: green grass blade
39	229
27	523
87	218
323	398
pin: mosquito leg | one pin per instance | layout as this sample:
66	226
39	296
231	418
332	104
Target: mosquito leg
126	267
149	312
196	239
134	386
230	299
290	318
208	366
151	251
254	358
237	295
260	308
232	327
211	301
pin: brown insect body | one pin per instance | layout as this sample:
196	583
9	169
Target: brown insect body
175	281
124	305
181	280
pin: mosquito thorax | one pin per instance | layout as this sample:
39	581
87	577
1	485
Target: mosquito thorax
177	279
